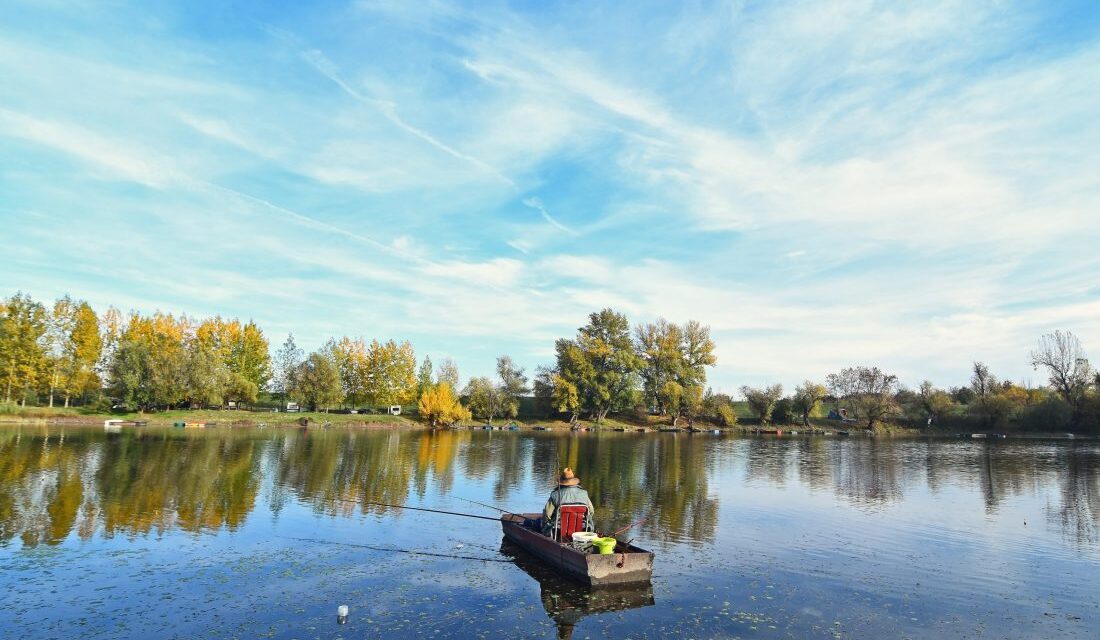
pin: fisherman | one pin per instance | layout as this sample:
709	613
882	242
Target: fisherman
568	492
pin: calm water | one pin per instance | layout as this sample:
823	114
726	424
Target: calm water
262	533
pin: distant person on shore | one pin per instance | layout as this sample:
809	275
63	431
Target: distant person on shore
568	492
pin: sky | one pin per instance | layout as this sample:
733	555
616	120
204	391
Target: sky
914	186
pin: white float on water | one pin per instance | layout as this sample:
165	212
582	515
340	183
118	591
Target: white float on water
342	613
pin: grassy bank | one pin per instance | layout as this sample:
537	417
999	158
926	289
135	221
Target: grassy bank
225	418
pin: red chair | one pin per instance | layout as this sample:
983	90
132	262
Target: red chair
568	519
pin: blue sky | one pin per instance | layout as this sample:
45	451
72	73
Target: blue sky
911	185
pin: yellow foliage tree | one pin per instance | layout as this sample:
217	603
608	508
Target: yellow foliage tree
439	406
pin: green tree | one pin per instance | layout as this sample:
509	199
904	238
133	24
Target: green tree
691	403
986	405
317	383
672	354
564	397
600	363
155	350
806	399
513	386
762	401
241	389
424	377
718	407
483	399
448	373
783	412
130	374
868	391
287	359
207	376
59	328
934	403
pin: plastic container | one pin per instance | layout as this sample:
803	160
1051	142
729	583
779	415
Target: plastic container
583	539
605	545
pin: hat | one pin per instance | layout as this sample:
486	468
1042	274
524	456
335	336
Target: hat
567	479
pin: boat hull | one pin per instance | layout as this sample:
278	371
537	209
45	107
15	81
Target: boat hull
629	565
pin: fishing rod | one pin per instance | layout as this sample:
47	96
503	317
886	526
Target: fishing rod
449	513
629	526
482	504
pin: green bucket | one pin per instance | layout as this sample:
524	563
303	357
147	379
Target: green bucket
605	545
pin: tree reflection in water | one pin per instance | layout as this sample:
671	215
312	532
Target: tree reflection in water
56	482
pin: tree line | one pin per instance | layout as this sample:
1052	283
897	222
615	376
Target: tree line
67	353
870	396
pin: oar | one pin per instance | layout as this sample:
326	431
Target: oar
449	513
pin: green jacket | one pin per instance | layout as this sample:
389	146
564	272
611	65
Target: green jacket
566	495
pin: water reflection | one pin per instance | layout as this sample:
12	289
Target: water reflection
59	482
567	603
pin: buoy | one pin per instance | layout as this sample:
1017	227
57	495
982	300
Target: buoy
342	614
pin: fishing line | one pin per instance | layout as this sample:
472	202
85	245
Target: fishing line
394	550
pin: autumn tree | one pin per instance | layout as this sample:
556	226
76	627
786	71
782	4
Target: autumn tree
391	374
353	366
23	325
150	362
85	347
250	358
439	406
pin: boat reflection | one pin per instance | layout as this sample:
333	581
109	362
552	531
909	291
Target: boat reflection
567	602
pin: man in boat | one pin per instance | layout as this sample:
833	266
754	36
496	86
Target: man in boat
569	491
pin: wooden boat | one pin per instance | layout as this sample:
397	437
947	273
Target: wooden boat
566	603
669	429
628	565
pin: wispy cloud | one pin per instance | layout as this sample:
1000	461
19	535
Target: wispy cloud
823	184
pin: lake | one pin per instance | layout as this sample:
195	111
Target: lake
245	533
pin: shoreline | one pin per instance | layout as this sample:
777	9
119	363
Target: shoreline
318	420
